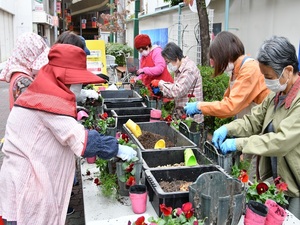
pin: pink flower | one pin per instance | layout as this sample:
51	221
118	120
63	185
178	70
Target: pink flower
179	211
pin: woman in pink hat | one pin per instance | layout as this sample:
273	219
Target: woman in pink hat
42	135
29	55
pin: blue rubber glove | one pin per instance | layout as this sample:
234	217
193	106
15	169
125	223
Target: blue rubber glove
219	136
191	108
126	153
228	146
156	90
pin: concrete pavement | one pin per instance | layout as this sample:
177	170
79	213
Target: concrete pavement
77	218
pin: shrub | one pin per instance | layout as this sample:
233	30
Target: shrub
115	48
213	90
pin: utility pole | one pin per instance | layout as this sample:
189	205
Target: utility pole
111	11
136	24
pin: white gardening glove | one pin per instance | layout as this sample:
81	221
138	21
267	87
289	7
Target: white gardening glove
87	94
126	153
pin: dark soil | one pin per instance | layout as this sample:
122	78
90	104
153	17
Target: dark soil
148	140
175	186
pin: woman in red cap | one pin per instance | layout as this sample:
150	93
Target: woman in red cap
152	64
42	135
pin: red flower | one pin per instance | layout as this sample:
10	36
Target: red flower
130	181
168	118
188	210
243	176
183	116
140	221
104	116
97	181
167	211
277	180
282	186
191	95
130	168
125	137
261	188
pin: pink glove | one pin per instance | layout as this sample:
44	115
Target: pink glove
140	71
138	77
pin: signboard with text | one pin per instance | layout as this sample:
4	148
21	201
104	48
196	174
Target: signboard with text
96	61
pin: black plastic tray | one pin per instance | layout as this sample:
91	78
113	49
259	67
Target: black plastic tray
162	128
172	199
166	158
136	115
121	96
123	105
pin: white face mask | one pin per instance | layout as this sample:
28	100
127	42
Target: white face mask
172	68
229	67
145	52
275	85
76	89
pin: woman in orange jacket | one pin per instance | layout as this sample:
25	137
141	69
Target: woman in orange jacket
246	87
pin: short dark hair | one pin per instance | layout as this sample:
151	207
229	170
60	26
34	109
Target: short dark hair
69	37
172	52
225	48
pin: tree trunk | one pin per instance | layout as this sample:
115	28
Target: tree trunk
204	31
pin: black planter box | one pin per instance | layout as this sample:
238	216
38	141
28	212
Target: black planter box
162	128
167	158
108	106
121	96
136	115
173	199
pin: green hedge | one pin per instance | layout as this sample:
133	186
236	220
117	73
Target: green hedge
213	90
115	48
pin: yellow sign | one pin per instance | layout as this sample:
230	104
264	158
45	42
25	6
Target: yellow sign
96	61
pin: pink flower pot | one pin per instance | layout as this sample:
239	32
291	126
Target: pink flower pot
155	115
138	198
276	213
81	114
91	160
255	213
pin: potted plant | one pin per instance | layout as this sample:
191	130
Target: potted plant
111	124
128	172
107	180
179	216
260	191
151	101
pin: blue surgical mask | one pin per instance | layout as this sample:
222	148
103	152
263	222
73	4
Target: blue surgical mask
275	85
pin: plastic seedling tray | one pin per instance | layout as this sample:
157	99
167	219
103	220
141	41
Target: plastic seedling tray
225	161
